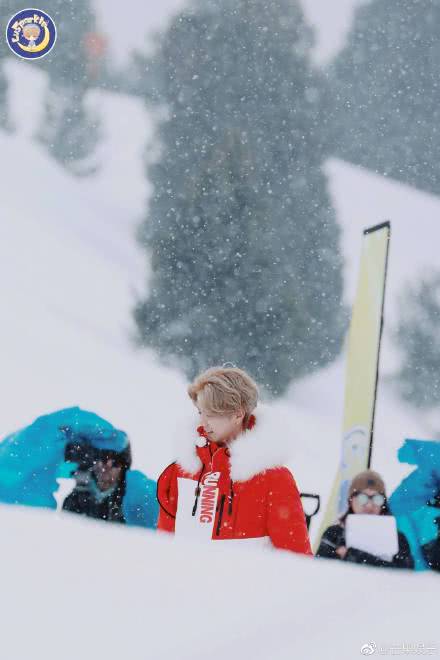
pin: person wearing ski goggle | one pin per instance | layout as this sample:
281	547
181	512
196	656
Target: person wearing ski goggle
366	496
100	477
367	502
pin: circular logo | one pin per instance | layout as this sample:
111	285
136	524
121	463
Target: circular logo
31	33
368	649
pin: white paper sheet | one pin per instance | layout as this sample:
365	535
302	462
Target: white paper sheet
374	534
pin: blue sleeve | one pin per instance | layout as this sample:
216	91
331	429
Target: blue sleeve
423	483
409	502
30	460
140	505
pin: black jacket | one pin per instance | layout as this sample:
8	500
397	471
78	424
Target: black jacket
431	552
334	537
84	503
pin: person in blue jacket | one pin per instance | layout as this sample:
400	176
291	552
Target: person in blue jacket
74	442
416	501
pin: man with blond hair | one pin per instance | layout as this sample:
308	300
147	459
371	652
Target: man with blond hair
229	481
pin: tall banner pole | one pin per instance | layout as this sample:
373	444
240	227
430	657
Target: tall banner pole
362	370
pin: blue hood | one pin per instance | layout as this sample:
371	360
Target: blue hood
409	503
32	458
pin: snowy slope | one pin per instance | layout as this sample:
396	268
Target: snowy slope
70	269
76	589
362	199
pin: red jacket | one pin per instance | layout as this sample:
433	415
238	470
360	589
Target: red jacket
241	492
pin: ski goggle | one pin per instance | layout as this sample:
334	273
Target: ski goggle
362	499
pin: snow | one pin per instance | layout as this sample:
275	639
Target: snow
77	588
362	199
70	270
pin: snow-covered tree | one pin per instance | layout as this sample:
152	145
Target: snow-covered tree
418	338
246	264
69	129
386	88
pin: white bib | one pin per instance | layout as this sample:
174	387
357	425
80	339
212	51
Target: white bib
200	525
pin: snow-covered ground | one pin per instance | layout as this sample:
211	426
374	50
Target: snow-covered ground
73	589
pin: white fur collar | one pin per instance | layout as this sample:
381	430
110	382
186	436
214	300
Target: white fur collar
267	445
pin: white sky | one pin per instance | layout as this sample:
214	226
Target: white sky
331	21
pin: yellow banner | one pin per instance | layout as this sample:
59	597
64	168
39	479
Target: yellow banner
361	371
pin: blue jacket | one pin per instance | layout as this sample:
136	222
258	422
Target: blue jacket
412	501
32	459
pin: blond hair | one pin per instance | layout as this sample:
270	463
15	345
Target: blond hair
225	390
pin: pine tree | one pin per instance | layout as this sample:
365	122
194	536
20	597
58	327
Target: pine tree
386	86
246	264
69	128
418	338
